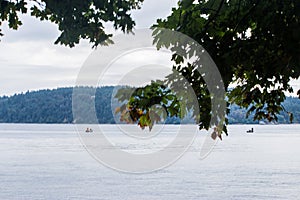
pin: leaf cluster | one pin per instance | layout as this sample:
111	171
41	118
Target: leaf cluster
147	105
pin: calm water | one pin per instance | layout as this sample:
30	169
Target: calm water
49	162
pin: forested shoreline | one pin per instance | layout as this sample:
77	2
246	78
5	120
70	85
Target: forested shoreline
55	106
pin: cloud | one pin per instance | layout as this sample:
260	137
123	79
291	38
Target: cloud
19	78
30	60
153	10
41	53
138	68
132	60
32	30
27	65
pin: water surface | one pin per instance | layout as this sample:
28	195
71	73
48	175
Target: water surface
49	162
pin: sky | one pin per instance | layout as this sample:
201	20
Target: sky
29	60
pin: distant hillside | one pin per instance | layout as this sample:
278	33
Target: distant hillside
291	104
55	106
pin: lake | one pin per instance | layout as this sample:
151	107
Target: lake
50	162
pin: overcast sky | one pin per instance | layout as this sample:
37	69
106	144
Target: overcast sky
29	60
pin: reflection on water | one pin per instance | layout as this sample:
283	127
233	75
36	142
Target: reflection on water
49	162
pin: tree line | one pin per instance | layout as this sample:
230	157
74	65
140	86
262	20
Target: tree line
55	106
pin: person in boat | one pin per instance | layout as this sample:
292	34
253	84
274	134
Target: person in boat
250	131
88	130
216	134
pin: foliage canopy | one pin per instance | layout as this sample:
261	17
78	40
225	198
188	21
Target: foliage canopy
255	45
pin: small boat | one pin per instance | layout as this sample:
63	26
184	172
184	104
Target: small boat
250	131
89	130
